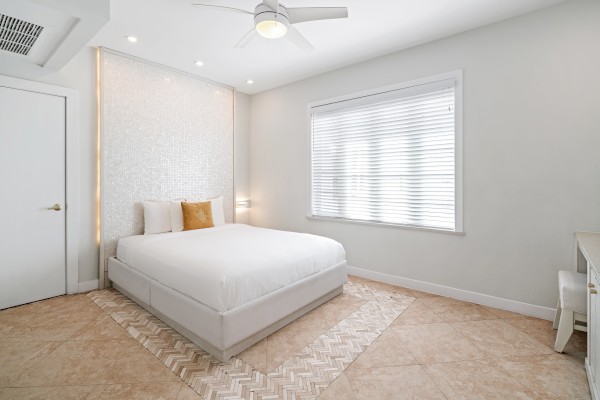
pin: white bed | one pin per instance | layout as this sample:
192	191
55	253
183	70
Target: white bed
227	287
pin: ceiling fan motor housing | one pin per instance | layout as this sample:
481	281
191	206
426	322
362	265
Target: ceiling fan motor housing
262	12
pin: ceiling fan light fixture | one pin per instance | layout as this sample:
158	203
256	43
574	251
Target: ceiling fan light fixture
271	29
270	23
273	20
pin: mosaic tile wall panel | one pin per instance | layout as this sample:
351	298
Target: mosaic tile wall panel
165	135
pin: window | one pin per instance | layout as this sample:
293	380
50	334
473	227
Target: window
389	156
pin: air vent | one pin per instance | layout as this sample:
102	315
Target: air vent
18	36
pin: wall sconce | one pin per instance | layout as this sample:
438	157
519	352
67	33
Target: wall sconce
242	204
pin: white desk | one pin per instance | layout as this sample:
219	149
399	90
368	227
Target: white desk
588	261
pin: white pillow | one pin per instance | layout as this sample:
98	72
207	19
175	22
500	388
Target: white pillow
176	215
218	214
157	217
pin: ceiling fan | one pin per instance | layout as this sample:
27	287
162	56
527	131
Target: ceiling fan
273	20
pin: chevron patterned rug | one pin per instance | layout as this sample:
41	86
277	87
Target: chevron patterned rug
303	376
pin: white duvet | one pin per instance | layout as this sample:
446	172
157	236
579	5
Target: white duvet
229	265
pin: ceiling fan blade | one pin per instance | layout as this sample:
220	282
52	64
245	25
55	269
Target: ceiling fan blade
223	8
246	39
303	14
272	4
296	37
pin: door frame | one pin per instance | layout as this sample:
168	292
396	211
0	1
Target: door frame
71	97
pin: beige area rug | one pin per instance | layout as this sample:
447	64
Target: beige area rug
303	376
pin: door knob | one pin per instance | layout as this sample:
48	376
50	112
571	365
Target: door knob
56	207
590	285
593	291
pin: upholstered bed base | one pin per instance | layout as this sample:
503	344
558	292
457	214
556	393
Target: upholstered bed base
224	334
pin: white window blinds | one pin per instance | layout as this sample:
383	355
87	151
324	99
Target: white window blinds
387	158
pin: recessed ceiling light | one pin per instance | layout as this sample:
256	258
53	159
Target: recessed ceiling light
249	81
199	63
132	39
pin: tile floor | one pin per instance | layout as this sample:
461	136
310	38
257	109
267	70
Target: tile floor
439	348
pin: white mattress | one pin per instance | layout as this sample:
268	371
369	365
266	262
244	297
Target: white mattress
229	265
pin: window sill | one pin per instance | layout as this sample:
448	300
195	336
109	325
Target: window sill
399	226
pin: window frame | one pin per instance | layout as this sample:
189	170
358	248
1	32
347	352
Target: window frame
457	76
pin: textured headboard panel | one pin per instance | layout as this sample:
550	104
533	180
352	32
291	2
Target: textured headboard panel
164	135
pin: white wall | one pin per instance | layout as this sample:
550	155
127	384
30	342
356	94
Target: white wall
531	155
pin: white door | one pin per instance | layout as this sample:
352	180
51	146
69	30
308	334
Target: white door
32	181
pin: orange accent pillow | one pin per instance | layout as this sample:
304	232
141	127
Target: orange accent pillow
197	215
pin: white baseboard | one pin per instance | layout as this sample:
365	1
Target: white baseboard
459	294
88	285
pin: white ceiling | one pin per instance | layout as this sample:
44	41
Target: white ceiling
174	33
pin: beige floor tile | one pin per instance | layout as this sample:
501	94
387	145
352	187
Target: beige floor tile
75	305
392	288
418	315
102	328
429	343
476	380
312	321
42	328
327	315
503	314
466	312
443	311
284	344
393	383
46	393
500	339
449	337
55	319
16	357
437	302
386	351
550	377
256	356
141	391
96	362
541	330
338	308
338	389
187	393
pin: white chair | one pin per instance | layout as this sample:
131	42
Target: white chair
571	310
